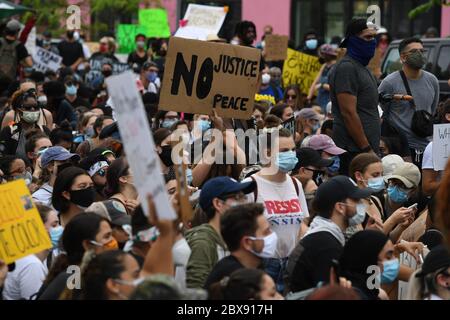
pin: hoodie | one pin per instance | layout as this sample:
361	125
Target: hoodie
207	248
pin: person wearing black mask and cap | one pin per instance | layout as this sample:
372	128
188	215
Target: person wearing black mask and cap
12	52
71	51
354	95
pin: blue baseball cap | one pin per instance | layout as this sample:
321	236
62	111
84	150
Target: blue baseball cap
221	186
57	153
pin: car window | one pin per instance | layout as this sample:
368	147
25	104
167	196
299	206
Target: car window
443	64
392	62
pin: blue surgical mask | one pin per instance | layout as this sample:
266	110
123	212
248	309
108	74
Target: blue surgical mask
204	125
311	44
376	184
71	90
397	195
90	132
361	50
360	215
189	176
151	76
286	161
168	123
334	168
390	271
55	235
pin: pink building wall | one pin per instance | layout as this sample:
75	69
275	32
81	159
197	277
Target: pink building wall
263	12
445	22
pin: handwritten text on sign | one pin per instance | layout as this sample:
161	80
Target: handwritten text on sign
441	146
200	76
44	60
300	68
21	229
138	143
276	47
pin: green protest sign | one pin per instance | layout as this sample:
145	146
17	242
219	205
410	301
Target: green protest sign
126	34
155	21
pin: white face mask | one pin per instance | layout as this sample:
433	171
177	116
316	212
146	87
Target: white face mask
360	215
270	246
265	78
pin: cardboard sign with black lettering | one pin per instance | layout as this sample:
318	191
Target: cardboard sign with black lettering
276	47
290	125
22	231
200	76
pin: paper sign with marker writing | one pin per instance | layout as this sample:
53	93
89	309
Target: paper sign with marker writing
126	34
441	146
44	60
200	76
22	231
155	22
138	143
201	21
300	68
276	47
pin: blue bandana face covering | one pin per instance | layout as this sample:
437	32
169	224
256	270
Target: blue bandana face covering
361	50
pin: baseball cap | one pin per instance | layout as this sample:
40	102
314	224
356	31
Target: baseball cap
355	27
408	173
13	25
390	163
310	157
113	210
337	189
220	186
322	142
57	153
308	113
437	258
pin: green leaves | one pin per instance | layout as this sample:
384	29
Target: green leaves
414	13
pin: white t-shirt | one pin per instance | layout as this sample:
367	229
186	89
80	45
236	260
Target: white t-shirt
181	253
26	279
44	195
284	209
427	162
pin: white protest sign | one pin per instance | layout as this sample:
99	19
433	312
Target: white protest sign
31	41
138	143
441	145
200	21
44	60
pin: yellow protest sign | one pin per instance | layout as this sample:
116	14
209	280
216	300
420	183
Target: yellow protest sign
21	229
300	68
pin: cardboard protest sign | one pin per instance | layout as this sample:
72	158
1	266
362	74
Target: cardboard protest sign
290	125
276	47
155	22
22	231
44	60
126	34
200	21
200	76
441	146
138	143
300	68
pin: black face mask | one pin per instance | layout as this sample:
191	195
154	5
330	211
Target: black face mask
166	156
318	177
83	197
107	73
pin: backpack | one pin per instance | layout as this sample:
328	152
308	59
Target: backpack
8	59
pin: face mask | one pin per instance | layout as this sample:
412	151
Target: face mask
106	73
26	176
110	245
360	215
42	100
133	283
361	50
31	116
103	48
270	246
166	156
45	43
204	125
140	44
390	271
377	184
189	176
334	168
416	60
286	161
55	235
265	78
90	132
311	44
168	123
83	197
71	90
151	76
318	177
397	195
315	127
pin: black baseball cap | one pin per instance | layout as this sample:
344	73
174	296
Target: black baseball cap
353	28
438	258
310	157
338	189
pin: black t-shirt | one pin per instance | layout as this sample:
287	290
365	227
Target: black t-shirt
54	289
70	52
222	269
78	102
134	58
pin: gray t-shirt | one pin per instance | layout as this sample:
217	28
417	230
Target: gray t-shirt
350	76
426	97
